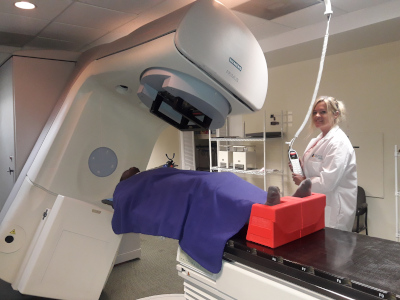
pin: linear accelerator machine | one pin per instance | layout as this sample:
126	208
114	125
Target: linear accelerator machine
191	68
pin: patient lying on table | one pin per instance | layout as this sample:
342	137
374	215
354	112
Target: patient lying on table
273	195
200	209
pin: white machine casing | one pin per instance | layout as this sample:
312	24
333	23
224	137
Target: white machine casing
237	61
236	281
201	53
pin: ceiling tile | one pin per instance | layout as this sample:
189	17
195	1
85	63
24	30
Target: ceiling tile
164	8
269	30
232	3
78	25
353	5
14	39
71	33
271	9
249	20
131	7
8	49
100	18
304	17
261	28
21	24
51	44
43	9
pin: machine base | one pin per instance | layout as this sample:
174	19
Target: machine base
129	248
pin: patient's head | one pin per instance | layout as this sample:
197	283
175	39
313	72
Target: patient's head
128	173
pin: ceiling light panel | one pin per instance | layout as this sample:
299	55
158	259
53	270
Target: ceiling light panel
43	9
24	5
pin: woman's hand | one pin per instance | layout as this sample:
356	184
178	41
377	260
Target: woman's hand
297	178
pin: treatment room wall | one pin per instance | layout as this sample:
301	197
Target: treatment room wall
367	80
167	143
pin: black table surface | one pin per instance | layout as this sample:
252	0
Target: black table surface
358	258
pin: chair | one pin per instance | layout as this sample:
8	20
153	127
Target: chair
362	209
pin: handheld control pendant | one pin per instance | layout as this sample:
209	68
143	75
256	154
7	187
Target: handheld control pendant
294	160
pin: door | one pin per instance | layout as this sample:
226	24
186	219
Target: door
7	136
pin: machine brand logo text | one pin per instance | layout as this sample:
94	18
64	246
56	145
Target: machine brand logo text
232	75
233	62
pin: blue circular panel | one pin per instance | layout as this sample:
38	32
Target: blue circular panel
103	162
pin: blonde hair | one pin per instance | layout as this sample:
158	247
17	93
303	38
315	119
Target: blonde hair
333	105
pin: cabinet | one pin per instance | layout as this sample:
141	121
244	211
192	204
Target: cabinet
29	90
238	154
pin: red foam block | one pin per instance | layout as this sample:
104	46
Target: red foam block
293	218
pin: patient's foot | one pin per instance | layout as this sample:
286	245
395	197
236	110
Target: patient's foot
304	190
273	197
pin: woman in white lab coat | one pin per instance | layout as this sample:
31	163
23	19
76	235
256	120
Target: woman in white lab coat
330	162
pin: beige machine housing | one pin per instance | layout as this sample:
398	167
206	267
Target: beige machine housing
201	56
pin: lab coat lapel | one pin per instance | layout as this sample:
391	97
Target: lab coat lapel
319	140
331	133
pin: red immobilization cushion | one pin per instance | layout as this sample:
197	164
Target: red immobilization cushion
293	218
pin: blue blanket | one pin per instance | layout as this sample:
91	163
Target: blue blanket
200	209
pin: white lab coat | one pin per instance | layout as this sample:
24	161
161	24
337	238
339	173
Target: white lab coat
331	166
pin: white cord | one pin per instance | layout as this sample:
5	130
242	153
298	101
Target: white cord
321	67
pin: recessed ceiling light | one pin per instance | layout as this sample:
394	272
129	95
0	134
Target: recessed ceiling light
24	5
